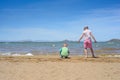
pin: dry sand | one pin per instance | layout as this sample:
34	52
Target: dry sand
51	67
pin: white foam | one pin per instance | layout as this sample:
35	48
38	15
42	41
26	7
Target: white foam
6	54
53	45
116	55
16	54
29	54
113	55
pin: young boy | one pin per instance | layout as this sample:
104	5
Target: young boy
87	34
64	51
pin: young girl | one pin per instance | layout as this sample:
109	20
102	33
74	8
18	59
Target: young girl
87	34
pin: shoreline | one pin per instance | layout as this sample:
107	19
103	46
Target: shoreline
56	58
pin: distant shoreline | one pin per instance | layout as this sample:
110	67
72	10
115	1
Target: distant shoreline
111	40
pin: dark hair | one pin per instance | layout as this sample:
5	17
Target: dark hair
86	27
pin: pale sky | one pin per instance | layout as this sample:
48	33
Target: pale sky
56	20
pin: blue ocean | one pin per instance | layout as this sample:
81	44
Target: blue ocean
37	48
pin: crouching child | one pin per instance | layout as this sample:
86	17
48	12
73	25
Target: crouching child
64	51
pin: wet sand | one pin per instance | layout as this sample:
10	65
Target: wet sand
51	67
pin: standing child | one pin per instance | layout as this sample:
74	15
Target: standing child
64	51
87	34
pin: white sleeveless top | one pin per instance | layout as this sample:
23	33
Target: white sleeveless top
87	34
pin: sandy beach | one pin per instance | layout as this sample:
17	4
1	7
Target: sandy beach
51	67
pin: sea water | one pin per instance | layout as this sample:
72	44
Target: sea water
36	48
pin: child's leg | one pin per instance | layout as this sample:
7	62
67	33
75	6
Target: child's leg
86	53
85	48
92	52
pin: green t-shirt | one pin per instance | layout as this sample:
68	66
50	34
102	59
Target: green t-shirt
64	51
